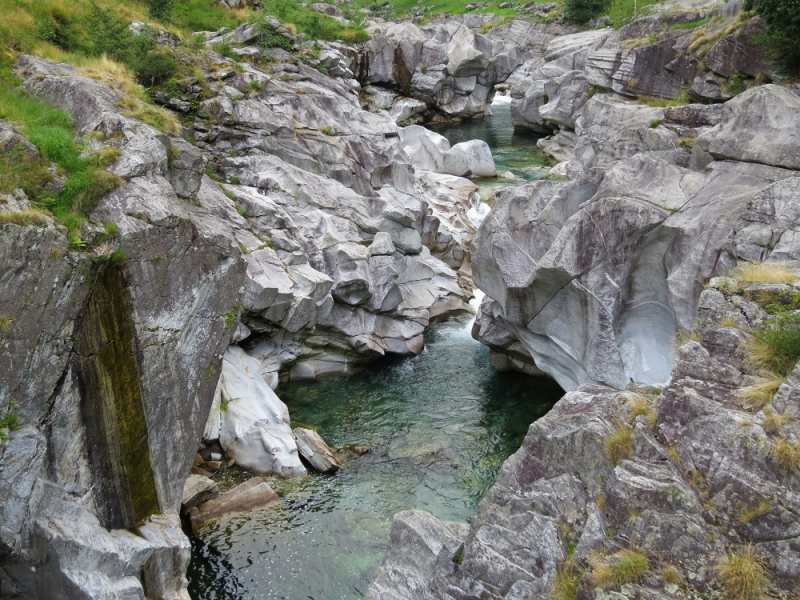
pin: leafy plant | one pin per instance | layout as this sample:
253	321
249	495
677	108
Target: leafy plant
783	30
161	10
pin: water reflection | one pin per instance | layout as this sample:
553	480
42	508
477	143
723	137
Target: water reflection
439	427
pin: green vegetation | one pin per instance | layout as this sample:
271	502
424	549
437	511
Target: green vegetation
619	445
315	25
328	130
50	130
655	123
783	30
690	25
8	420
230	316
161	10
743	575
583	11
568	579
788	455
777	347
626	566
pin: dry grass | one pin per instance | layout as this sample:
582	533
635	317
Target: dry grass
749	513
705	38
24	218
729	322
788	455
773	422
160	118
6	323
763	273
743	575
760	395
684	336
642	407
619	445
671	575
626	566
568	580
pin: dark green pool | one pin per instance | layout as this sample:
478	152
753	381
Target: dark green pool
439	426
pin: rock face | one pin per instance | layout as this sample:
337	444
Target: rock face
320	252
448	66
589	280
651	57
694	479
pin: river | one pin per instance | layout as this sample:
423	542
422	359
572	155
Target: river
438	426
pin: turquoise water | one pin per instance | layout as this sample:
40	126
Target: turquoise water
513	150
438	426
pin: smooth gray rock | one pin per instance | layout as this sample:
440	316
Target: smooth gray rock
314	449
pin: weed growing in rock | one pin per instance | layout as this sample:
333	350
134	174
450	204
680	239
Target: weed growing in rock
743	575
619	445
568	579
773	422
5	324
671	575
8	421
327	130
759	395
749	513
655	123
788	455
24	218
776	348
642	407
626	566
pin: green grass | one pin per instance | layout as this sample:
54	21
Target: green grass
691	25
777	348
401	8
315	25
623	12
50	130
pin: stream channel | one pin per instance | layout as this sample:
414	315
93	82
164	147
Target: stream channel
438	426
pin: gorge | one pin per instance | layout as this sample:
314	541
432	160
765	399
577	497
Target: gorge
285	235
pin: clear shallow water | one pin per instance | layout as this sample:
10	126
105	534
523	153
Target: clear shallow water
438	425
513	150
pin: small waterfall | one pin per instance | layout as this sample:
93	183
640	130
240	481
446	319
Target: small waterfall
478	210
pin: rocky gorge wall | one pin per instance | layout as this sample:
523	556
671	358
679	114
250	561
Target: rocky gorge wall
316	247
658	468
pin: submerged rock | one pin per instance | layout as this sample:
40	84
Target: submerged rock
250	494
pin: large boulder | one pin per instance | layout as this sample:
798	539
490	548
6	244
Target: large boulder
250	421
756	127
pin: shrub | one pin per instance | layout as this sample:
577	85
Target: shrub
161	10
783	30
619	445
777	347
582	11
742	575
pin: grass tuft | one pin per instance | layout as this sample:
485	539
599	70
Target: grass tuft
626	566
568	580
773	422
788	455
619	445
760	395
756	272
750	513
671	575
743	575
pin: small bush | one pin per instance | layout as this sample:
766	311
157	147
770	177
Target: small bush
327	130
161	10
619	445
655	123
743	576
583	11
226	50
788	455
777	347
